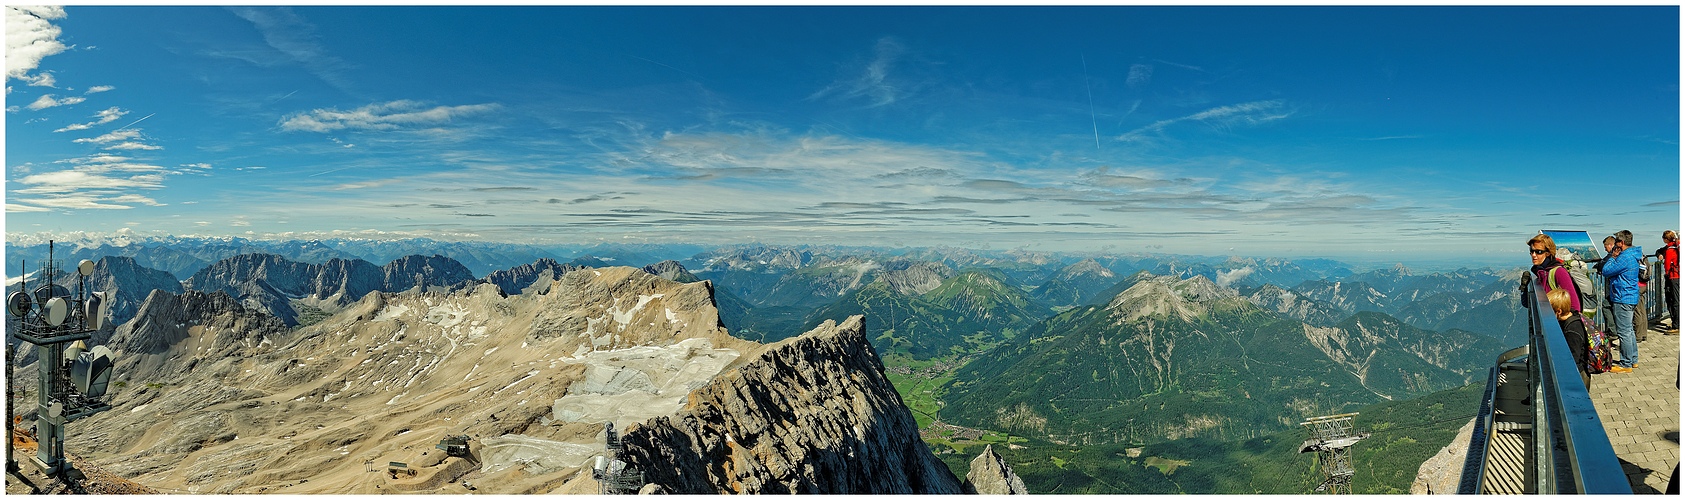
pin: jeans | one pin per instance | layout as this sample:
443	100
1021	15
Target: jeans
1624	331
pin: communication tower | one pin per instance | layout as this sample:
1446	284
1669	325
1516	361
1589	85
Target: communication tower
1332	438
73	377
614	476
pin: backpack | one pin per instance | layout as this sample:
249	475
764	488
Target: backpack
1599	357
1581	274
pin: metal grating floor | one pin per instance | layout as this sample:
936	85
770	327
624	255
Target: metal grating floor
1507	471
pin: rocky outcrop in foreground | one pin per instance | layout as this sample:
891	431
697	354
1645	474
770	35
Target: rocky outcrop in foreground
811	414
991	475
1442	473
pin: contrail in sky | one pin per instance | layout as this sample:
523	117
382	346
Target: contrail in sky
1091	119
289	94
658	63
131	124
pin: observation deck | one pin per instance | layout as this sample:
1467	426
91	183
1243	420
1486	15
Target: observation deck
1540	431
1640	413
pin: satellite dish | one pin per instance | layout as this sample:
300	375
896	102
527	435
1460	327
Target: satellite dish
56	310
95	309
19	304
91	372
55	410
86	267
50	290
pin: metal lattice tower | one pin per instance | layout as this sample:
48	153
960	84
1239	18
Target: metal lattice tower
72	380
1332	438
614	476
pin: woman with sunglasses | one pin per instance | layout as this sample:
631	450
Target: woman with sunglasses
1550	270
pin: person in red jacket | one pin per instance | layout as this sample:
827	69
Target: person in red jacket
1669	255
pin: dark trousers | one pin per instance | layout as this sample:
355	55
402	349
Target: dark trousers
1672	298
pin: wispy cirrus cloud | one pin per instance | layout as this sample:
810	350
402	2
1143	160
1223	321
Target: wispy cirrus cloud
874	82
31	37
133	146
103	117
381	116
50	101
128	139
295	39
103	181
120	135
1139	74
1250	113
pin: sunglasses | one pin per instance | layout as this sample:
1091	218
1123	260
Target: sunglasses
1537	251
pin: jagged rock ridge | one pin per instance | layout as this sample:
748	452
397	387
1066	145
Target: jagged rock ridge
812	414
515	280
272	283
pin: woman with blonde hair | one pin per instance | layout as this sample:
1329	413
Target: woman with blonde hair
1551	271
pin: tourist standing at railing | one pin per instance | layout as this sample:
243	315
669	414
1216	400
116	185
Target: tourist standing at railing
1620	268
1551	271
1641	310
1669	255
1573	329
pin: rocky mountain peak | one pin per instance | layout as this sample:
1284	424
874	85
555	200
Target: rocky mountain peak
416	271
515	280
672	270
1087	268
215	320
909	277
1167	296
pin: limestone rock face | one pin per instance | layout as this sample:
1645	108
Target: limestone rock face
1286	303
166	318
516	279
810	414
990	475
911	277
1441	474
1168	296
273	284
415	271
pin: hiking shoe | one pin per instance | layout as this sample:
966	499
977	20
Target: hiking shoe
1620	369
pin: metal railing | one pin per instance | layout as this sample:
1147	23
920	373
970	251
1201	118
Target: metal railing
1570	451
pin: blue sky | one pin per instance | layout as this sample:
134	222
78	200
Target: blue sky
1282	131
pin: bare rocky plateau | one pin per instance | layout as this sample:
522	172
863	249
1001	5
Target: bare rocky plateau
211	397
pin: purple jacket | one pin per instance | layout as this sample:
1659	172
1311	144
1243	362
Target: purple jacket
1561	277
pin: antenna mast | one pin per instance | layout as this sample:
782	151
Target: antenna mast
73	378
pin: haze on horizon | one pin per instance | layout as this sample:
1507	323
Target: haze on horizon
1360	132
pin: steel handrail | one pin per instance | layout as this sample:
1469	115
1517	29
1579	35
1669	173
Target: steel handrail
1569	437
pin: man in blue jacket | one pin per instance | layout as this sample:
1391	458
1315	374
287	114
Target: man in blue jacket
1621	270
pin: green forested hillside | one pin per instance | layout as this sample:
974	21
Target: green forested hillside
1403	434
903	324
989	298
1085	376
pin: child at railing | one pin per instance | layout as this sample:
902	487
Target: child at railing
1573	328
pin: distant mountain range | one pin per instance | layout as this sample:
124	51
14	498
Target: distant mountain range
1172	358
1073	350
